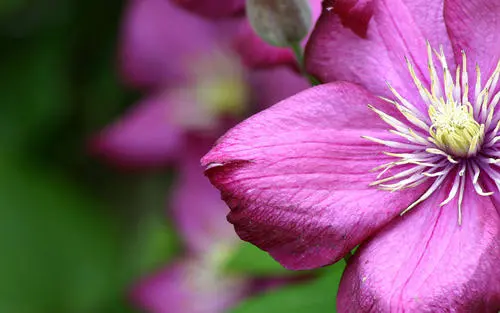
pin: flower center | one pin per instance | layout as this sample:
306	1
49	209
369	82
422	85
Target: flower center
456	140
454	128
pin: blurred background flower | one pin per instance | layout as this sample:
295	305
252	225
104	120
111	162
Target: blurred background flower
146	86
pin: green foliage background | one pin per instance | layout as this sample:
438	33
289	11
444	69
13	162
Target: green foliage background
70	240
74	233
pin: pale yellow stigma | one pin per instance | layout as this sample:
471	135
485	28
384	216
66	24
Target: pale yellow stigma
454	128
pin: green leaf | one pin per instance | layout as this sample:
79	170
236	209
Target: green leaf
248	259
40	95
59	252
318	295
8	7
152	238
156	244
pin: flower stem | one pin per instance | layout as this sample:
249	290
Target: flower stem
299	56
348	256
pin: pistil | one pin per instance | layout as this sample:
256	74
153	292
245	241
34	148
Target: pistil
454	128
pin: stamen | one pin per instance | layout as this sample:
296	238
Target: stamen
410	182
453	191
389	119
448	80
415	139
408	110
437	183
461	194
440	152
475	178
435	85
396	176
493	141
392	144
477	91
495	130
465	79
456	91
493	161
424	93
436	174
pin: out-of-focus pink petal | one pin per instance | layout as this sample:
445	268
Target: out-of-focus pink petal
159	41
197	208
187	287
425	262
396	29
276	84
144	137
213	8
473	27
256	53
296	176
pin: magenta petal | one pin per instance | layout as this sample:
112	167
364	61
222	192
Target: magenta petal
354	14
256	53
425	262
405	25
143	137
197	208
159	41
296	176
473	27
397	29
186	287
334	52
213	8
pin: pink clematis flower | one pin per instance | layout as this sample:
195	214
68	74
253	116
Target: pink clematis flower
413	179
195	82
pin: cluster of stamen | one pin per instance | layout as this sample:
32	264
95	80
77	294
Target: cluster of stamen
455	130
455	139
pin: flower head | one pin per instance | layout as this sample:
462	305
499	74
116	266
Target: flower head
196	84
455	138
418	192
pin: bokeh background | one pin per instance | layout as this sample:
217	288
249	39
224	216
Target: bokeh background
76	234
